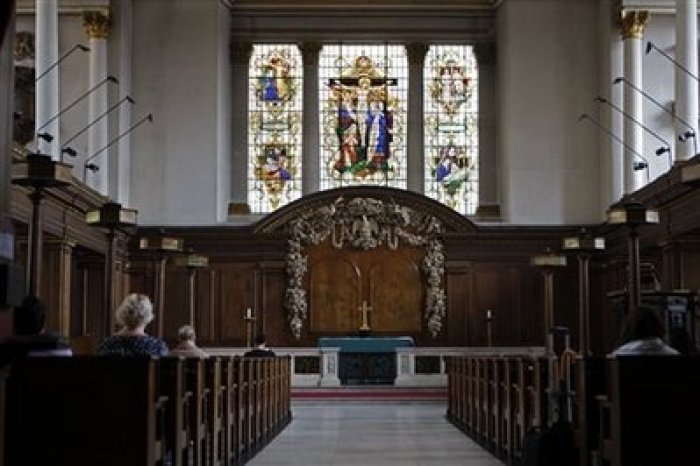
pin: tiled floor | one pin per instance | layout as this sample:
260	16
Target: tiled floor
371	434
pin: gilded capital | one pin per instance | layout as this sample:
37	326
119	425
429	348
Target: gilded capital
632	23
97	23
416	53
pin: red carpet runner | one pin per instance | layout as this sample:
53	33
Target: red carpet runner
370	393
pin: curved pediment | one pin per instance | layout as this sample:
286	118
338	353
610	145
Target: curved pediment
451	221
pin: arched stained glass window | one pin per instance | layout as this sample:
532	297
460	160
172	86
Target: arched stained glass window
274	133
451	92
363	91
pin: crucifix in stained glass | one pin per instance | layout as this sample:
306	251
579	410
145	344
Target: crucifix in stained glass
364	124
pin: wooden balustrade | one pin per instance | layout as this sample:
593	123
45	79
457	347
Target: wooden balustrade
145	411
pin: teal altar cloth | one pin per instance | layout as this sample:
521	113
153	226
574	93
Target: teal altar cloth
366	360
366	344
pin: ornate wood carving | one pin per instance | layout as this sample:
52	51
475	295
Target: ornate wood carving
363	223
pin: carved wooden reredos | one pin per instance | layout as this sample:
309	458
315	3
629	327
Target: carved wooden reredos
328	265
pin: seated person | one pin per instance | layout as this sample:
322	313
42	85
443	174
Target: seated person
260	350
29	321
133	314
187	347
643	334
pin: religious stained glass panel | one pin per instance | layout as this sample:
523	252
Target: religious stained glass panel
274	133
451	91
363	94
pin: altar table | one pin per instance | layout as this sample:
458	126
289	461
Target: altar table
366	360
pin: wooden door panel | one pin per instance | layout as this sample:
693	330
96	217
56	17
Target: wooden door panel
395	294
334	295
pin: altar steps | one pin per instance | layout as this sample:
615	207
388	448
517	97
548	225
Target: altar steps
370	393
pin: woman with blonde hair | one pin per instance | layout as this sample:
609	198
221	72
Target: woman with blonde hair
133	314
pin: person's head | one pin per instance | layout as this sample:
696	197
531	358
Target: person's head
186	333
135	311
260	340
643	323
29	317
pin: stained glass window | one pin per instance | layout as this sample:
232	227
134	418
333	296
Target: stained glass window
363	94
451	120
274	133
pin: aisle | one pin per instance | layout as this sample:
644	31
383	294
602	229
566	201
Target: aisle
371	434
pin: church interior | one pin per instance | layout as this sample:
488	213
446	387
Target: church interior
468	198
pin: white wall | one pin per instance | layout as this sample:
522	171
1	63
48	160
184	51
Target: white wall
548	74
175	76
551	63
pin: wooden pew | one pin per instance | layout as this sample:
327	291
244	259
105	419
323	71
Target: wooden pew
215	414
85	410
588	384
178	435
505	416
198	410
645	413
230	371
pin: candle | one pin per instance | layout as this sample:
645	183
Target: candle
248	314
489	314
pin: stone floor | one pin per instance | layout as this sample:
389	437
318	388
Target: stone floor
337	433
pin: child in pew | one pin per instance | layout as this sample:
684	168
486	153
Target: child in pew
187	347
260	350
643	334
133	314
29	320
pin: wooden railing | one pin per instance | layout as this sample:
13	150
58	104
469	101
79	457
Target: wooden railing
415	367
151	412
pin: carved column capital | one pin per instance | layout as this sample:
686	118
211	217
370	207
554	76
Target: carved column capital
240	52
485	53
97	23
416	53
632	23
309	52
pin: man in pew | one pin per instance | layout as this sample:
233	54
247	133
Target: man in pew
133	314
643	334
260	350
29	321
187	347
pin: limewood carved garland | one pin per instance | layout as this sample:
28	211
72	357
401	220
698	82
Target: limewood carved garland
365	223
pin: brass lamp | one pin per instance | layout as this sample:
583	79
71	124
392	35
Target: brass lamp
162	246
191	262
112	216
632	214
584	245
38	171
548	263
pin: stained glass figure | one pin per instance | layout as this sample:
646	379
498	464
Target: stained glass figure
274	137
451	126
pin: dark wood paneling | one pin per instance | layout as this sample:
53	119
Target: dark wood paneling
458	281
237	293
176	302
274	316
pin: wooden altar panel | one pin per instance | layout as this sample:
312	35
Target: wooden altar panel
335	294
396	294
340	280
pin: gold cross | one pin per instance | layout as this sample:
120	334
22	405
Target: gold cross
365	309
